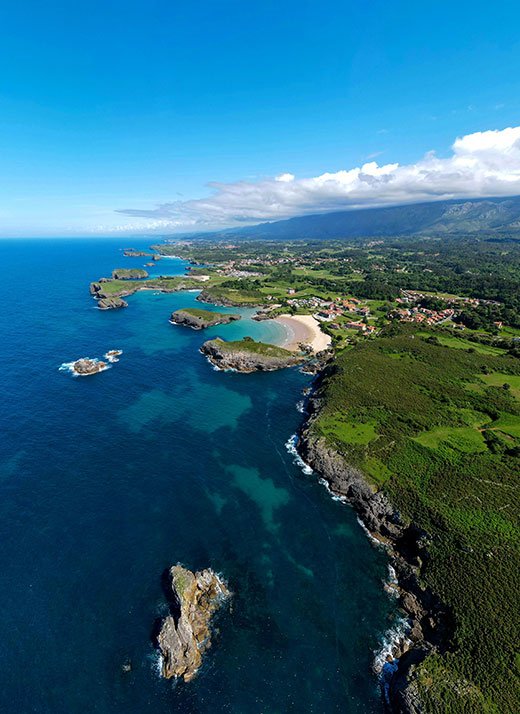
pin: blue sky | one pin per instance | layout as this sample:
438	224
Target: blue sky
140	105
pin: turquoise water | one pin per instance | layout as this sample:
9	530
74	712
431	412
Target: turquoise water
107	480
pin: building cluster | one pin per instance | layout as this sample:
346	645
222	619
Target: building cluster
413	296
423	315
235	273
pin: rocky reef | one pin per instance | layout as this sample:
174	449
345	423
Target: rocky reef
86	366
199	319
428	622
112	303
113	355
249	356
185	634
129	274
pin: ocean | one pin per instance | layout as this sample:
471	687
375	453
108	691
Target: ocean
108	480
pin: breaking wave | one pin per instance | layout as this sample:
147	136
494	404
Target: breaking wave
392	640
290	445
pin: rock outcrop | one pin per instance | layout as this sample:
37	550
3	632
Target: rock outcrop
86	366
249	356
199	319
111	303
185	634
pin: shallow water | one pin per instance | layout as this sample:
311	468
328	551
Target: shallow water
107	480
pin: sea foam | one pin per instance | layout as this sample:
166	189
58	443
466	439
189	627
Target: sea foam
290	445
392	639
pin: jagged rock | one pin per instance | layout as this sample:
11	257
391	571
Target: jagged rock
111	303
86	366
185	633
249	356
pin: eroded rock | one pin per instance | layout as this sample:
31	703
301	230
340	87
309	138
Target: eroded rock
185	634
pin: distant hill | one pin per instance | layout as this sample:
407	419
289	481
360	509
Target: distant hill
492	215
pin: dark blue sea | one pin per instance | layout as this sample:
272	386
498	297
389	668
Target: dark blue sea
108	480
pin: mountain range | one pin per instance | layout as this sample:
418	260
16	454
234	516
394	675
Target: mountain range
455	217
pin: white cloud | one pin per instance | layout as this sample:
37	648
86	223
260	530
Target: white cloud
481	164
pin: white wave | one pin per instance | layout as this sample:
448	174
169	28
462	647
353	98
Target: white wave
334	496
392	575
391	584
68	367
113	355
392	640
300	406
290	445
369	535
215	368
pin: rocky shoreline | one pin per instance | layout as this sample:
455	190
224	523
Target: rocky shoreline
429	625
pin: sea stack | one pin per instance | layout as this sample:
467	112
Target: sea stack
185	634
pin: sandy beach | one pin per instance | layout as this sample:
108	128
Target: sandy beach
303	328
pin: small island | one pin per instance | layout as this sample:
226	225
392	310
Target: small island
129	274
198	319
86	366
133	253
249	356
185	634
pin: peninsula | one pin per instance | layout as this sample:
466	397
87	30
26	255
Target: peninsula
198	319
109	292
249	356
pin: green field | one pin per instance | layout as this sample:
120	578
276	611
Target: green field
399	408
461	344
250	345
336	427
497	379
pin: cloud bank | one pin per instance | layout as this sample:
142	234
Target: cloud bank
483	164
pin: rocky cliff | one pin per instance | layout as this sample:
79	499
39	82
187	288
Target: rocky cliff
129	274
111	303
199	319
185	634
248	356
429	624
